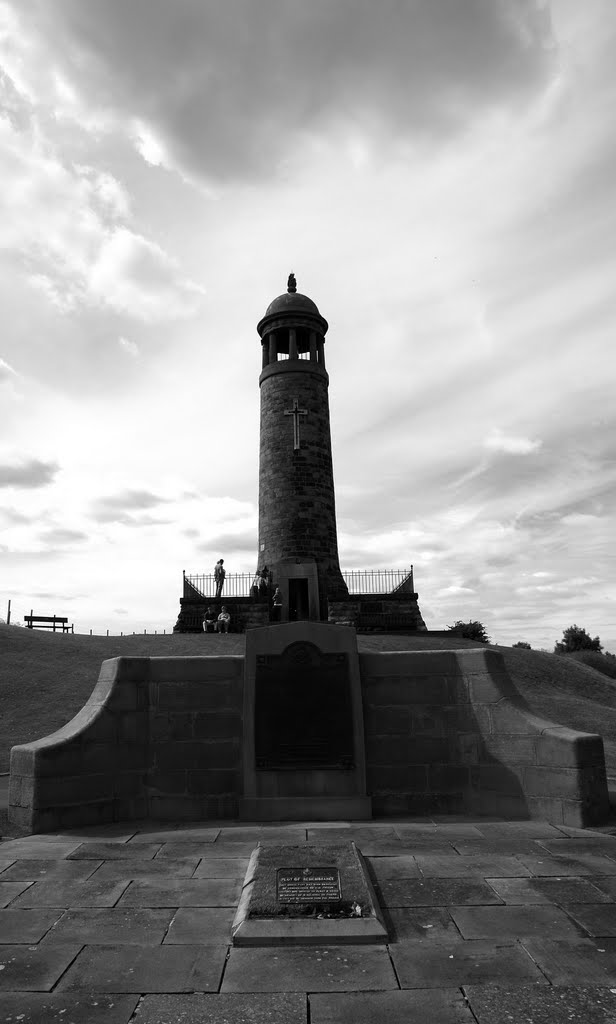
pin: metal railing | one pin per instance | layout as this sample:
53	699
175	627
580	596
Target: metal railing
358	581
236	584
379	581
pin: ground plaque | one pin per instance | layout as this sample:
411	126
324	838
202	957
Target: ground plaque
308	885
307	895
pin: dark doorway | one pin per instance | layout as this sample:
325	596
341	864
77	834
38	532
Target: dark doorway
298	599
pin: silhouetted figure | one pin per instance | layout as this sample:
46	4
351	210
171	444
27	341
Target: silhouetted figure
276	605
219	577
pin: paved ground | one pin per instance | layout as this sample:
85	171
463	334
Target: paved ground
490	922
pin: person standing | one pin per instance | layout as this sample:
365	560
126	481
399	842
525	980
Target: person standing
276	605
219	576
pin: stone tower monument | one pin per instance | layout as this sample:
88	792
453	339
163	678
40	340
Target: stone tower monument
297	517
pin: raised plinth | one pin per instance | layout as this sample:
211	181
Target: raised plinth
308	895
303	742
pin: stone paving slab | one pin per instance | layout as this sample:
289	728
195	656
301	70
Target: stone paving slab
425	965
541	1004
520	829
26	926
439	865
511	847
65	1008
425	924
112	926
309	969
434	892
152	869
205	851
50	869
447	831
146	969
70	894
595	843
429	1006
176	835
572	864
225	1008
596	920
115	851
182	892
606	883
194	925
569	962
547	890
383	868
10	890
38	848
512	922
227	867
34	968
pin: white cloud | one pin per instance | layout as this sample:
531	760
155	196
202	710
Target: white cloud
128	346
136	276
500	442
146	143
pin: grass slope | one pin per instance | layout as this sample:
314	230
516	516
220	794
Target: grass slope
45	678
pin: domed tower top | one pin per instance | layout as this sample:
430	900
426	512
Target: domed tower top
292	329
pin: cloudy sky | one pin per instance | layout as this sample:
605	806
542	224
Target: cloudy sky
440	175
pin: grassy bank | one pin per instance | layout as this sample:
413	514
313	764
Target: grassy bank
45	678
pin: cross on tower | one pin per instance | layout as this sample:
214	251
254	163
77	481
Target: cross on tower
296	412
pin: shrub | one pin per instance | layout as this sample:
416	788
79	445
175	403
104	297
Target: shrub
522	643
471	630
577	639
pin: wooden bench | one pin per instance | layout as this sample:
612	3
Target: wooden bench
48	622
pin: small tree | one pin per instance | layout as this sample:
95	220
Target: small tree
471	630
577	639
522	643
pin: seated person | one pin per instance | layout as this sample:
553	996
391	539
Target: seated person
222	624
209	620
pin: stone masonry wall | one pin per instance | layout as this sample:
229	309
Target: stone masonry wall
159	737
445	731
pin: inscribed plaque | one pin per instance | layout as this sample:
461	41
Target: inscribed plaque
308	885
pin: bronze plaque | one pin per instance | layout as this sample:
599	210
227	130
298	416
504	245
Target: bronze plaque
303	711
308	885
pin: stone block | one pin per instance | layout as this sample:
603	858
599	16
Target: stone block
213	782
181	672
567	748
497	778
448	778
513	748
180	808
507	717
406	778
72	789
133	728
389	721
166	782
128	784
217	725
412	664
563	783
175	756
388	750
464	748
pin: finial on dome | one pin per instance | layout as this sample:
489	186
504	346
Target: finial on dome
291	283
